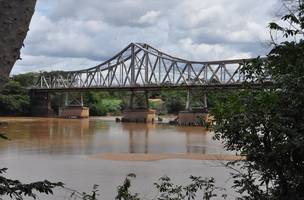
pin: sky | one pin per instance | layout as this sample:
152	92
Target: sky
78	34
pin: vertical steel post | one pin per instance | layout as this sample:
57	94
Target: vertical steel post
205	100
174	73
225	73
109	75
81	99
147	69
147	99
132	65
221	67
206	73
188	100
159	69
66	102
132	101
189	75
121	73
99	76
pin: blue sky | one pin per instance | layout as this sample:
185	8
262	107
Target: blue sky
76	34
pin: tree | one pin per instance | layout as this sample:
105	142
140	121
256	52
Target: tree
102	103
27	79
14	99
174	101
17	190
266	126
15	17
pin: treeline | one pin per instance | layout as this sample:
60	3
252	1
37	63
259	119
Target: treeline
15	99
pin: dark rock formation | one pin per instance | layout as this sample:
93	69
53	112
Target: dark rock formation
15	17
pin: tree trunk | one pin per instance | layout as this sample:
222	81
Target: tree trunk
15	17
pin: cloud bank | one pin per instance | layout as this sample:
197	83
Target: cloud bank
76	34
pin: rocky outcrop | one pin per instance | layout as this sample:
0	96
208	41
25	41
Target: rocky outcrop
15	17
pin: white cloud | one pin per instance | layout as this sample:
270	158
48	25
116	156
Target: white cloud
149	18
46	63
70	34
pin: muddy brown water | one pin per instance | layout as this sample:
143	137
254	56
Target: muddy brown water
83	152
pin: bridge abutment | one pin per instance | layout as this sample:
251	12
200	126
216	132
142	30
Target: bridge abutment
194	116
74	112
74	107
139	115
138	110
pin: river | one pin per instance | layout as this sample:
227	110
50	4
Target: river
83	152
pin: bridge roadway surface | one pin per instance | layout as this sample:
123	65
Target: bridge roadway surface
140	67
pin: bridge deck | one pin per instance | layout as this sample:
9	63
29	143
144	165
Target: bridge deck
157	88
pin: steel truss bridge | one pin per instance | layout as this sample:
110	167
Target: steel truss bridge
142	67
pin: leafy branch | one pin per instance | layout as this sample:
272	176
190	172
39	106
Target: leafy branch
17	190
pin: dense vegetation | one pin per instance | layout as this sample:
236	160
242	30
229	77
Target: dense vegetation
15	99
266	126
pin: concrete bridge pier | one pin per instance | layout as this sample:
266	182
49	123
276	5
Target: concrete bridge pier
138	110
41	104
73	107
193	116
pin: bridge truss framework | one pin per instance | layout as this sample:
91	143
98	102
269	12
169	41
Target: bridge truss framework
142	67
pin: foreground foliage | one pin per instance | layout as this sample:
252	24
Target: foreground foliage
198	188
266	126
17	190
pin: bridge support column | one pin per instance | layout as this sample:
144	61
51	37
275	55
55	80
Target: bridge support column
188	105
41	104
139	111
147	99
73	107
193	116
205	101
131	104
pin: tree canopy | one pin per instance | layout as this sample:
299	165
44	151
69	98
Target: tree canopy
267	126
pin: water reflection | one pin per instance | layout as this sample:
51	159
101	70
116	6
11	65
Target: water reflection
197	141
138	137
94	135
